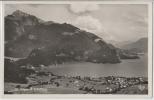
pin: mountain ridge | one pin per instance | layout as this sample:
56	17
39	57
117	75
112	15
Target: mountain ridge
139	46
46	40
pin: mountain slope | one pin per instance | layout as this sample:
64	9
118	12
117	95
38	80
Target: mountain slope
49	42
17	23
140	46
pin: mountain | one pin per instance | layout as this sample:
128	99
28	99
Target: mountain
40	42
17	24
140	46
120	44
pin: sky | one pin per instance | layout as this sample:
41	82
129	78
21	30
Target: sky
111	22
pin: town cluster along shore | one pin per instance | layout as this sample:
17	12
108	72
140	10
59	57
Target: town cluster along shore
44	82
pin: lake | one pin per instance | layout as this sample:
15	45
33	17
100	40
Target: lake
127	68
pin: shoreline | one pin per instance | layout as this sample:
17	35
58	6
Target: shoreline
42	80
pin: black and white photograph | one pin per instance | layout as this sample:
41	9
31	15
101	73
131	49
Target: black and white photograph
77	48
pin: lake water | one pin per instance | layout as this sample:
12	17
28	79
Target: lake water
127	68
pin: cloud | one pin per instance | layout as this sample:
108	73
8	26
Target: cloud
93	25
79	8
89	24
34	5
138	19
86	22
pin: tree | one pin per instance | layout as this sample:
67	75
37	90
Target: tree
18	87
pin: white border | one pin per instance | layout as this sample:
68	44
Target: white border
75	1
2	3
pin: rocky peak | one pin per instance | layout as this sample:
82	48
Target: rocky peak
19	13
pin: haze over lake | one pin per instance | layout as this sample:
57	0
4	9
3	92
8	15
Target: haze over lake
127	68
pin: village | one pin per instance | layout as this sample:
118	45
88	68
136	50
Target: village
46	82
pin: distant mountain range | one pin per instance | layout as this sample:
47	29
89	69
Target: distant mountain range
40	42
140	46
